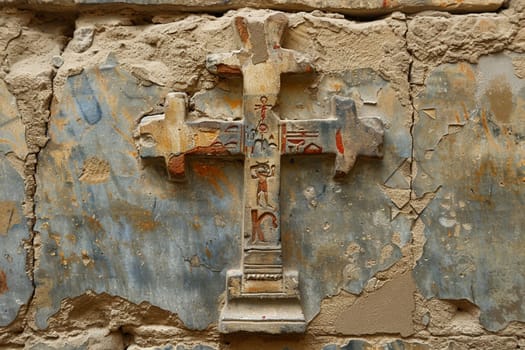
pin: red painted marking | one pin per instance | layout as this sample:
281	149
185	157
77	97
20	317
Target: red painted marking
302	133
225	69
296	141
263	127
242	29
176	164
312	148
339	142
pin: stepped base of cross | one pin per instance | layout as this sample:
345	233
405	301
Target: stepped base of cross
276	309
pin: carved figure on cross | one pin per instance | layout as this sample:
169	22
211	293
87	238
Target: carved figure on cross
261	172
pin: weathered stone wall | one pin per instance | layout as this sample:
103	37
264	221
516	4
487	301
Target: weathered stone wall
422	249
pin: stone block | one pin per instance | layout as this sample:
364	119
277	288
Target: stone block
393	345
355	8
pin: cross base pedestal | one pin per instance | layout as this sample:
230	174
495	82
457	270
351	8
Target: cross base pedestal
268	312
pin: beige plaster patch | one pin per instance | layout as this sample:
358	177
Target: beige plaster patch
388	310
95	171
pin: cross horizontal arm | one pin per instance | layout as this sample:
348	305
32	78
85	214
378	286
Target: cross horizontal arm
171	137
344	134
224	63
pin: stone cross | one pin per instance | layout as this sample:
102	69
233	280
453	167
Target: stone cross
261	296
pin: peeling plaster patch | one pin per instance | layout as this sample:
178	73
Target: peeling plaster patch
387	310
95	171
12	130
496	76
150	72
406	203
430	112
473	225
400	178
518	61
499	95
447	222
224	101
82	39
97	338
445	317
400	197
461	39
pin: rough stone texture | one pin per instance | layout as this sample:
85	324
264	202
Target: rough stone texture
123	258
363	345
356	8
171	347
92	339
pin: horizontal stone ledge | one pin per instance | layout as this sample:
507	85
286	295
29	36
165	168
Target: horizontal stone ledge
349	7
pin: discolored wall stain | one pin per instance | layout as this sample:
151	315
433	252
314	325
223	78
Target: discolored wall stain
3	282
499	95
86	99
212	172
12	130
141	219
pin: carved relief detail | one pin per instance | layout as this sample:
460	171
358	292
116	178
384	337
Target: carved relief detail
261	285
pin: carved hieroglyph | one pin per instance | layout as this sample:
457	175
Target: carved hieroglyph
261	296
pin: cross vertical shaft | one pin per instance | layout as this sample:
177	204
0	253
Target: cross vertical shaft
261	61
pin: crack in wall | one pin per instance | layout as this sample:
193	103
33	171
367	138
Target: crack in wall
32	117
6	46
